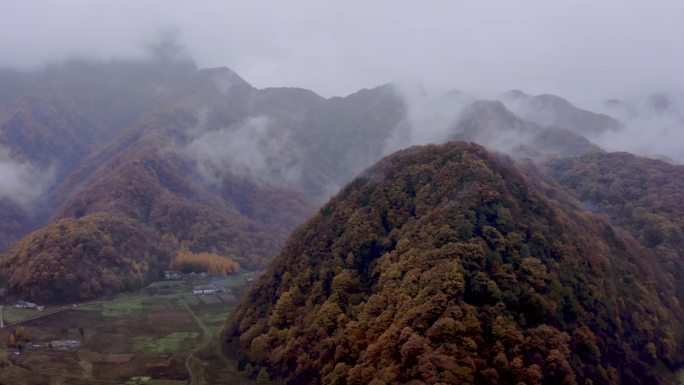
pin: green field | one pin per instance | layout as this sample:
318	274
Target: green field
170	343
153	335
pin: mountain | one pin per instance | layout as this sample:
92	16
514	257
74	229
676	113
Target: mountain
76	259
552	110
643	196
664	104
654	126
451	264
185	158
55	118
199	159
13	83
136	183
490	123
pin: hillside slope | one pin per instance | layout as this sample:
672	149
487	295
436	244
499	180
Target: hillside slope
155	194
643	196
79	259
552	110
443	264
491	124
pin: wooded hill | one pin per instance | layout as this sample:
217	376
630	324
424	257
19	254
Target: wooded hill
450	264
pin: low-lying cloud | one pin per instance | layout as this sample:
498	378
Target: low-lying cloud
439	116
254	147
654	127
22	182
430	116
567	48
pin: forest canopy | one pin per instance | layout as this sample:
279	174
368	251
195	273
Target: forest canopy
445	264
212	263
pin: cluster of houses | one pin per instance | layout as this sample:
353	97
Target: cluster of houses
55	345
197	290
21	304
172	275
207	289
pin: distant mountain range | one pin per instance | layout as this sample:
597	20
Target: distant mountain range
110	168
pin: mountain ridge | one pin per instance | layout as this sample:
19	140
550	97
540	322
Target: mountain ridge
145	140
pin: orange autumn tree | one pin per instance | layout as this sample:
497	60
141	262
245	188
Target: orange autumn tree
214	264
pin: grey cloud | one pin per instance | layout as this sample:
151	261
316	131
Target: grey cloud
654	126
583	50
254	147
430	116
21	182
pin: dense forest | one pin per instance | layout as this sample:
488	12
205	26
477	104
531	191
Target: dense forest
188	262
449	264
644	196
132	141
153	209
79	259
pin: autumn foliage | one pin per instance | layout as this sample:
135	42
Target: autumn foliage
125	223
78	259
448	265
187	261
643	196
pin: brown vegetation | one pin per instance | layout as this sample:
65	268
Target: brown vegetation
121	228
214	264
110	148
78	259
643	196
443	264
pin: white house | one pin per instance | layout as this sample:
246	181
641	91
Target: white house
172	275
21	304
206	289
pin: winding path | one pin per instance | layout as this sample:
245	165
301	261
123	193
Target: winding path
192	363
40	315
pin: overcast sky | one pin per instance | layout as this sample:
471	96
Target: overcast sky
580	49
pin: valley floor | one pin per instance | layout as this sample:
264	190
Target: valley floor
160	335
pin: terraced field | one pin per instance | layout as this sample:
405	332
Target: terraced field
161	335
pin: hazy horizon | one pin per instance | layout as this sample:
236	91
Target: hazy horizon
582	50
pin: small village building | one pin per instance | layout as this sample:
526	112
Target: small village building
64	344
173	274
202	275
206	289
21	304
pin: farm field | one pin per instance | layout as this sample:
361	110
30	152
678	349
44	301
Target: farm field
160	335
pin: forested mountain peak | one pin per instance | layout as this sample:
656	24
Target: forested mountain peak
449	264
